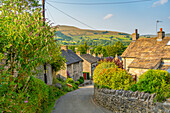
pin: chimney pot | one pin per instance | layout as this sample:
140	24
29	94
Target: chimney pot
135	35
78	53
64	47
160	29
161	35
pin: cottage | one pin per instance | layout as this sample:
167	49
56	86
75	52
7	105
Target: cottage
74	64
89	64
147	53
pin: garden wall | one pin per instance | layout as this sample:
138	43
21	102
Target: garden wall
128	101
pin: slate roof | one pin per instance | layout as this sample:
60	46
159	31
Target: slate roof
89	58
70	56
147	52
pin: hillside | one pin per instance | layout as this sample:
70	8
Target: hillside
69	35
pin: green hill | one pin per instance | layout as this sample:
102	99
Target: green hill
69	35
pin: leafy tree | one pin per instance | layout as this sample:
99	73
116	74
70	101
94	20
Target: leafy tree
72	48
26	42
98	50
119	48
83	48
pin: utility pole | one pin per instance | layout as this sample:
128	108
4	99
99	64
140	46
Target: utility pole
45	67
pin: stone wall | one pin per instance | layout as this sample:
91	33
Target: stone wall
129	102
75	70
40	74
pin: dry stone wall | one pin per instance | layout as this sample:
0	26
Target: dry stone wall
129	102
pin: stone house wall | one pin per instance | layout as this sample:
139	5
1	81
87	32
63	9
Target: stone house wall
40	74
93	66
76	73
120	101
75	70
137	71
87	67
127	62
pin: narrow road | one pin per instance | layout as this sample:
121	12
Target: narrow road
79	101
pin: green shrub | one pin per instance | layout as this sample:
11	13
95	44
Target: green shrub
134	87
67	89
74	86
69	80
77	83
32	97
81	81
82	78
38	93
60	79
110	76
155	81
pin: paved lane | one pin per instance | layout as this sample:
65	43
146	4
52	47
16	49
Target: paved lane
79	101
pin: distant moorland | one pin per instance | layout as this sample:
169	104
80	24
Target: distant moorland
69	35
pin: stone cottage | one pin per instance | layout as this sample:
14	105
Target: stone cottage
147	53
89	64
73	66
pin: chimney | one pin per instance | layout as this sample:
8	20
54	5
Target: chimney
64	47
161	35
78	53
88	51
135	35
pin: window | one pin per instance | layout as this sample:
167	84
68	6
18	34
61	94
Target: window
168	44
168	69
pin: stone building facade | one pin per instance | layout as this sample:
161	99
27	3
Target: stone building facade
73	66
147	53
89	64
49	73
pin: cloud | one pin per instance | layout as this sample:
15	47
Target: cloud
160	2
107	16
169	17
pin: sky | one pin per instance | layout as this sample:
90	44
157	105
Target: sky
114	17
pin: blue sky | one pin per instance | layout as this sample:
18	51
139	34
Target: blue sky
123	18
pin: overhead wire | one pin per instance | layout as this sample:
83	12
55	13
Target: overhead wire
70	16
104	3
48	11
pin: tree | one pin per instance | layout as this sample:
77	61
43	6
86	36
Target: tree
26	42
119	48
98	50
72	48
83	48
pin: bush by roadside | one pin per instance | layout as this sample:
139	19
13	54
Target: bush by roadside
108	75
81	80
34	97
154	81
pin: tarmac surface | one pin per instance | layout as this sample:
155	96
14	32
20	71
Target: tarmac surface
79	101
